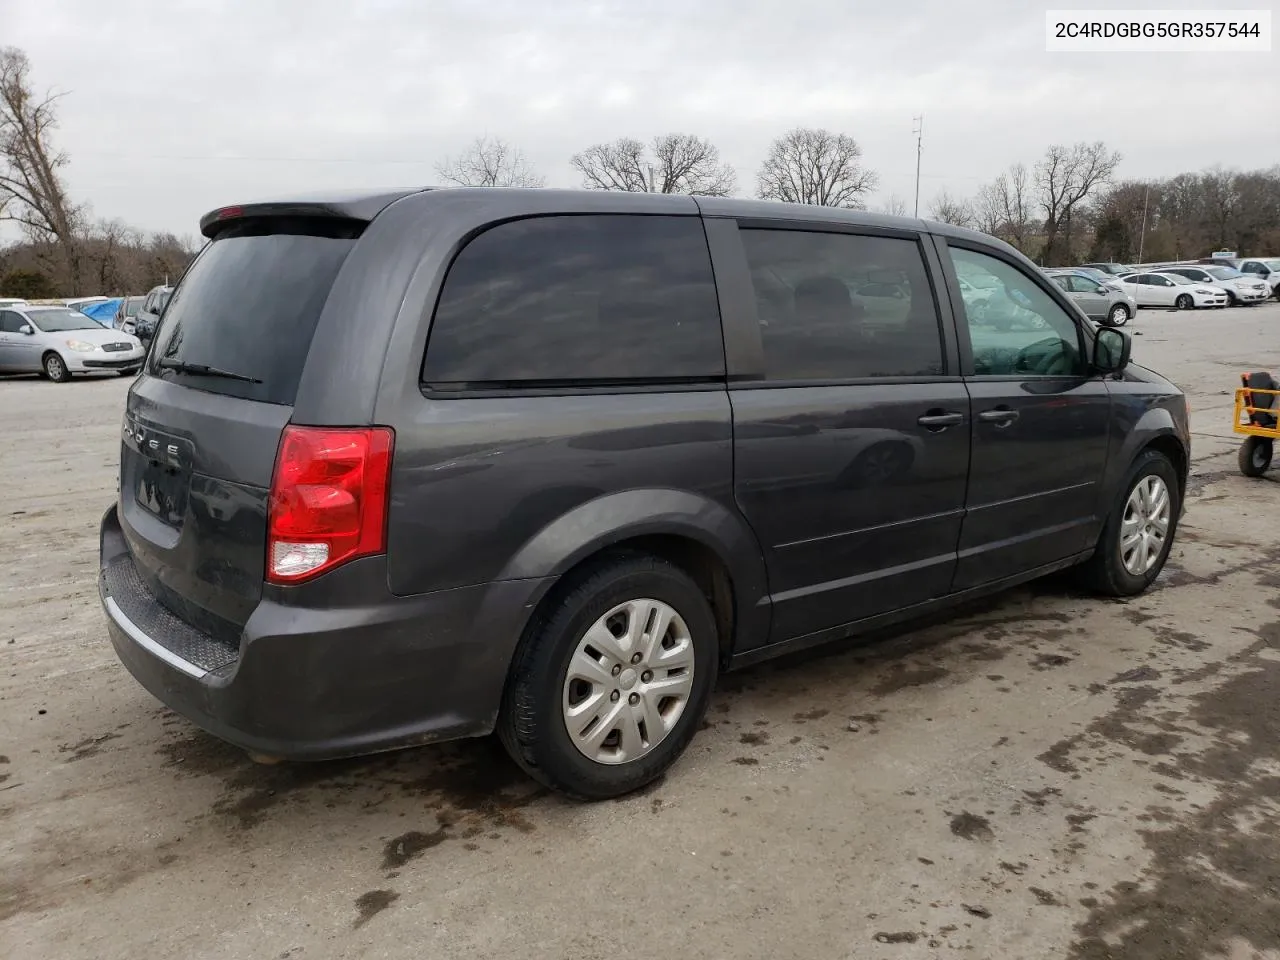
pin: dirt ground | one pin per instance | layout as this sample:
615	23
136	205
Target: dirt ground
1041	775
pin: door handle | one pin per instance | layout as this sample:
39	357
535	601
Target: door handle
1000	416
940	421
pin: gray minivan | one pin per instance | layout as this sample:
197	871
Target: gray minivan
414	466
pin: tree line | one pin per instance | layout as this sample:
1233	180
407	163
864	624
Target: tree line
1070	207
1066	206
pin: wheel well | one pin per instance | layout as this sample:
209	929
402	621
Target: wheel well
1172	449
699	561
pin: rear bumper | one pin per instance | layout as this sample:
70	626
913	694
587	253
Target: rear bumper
338	667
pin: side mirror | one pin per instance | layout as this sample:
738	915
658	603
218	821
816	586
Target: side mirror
1100	289
26	328
1111	350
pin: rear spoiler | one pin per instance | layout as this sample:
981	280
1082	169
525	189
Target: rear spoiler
363	207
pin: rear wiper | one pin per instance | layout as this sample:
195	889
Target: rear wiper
204	370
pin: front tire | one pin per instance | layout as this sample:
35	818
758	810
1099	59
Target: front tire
1184	302
1118	316
55	368
1232	299
1139	531
610	682
1254	457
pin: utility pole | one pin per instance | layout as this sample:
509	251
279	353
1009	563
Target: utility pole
1142	236
918	130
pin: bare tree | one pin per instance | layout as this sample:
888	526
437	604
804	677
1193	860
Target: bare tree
895	206
948	209
490	162
31	190
1003	207
811	165
1065	177
674	163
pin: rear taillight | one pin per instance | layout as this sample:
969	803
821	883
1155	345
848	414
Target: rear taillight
328	500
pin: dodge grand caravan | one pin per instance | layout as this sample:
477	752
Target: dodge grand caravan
415	466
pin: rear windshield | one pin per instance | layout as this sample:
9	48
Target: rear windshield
249	306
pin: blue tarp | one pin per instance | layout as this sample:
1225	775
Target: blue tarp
104	311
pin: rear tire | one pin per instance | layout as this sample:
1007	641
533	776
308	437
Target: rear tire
1118	316
1106	572
560	673
1184	302
1255	456
55	368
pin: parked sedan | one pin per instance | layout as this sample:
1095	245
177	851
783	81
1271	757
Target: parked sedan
60	341
1266	269
1107	304
1238	287
1159	289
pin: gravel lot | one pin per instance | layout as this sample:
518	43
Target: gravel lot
1041	775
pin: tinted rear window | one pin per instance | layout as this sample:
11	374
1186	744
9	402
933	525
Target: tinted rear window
578	300
250	304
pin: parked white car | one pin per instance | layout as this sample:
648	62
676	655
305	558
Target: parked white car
1239	287
60	341
1159	289
1266	269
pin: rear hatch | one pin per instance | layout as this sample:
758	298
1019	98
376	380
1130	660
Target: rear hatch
203	425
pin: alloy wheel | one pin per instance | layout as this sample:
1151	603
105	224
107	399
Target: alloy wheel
1145	527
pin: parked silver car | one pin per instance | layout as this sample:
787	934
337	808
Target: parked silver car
60	341
1101	302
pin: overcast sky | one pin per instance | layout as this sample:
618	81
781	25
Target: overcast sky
174	107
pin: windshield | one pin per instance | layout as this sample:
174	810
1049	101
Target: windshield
1100	275
163	301
1179	278
1223	273
1273	264
59	321
133	305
